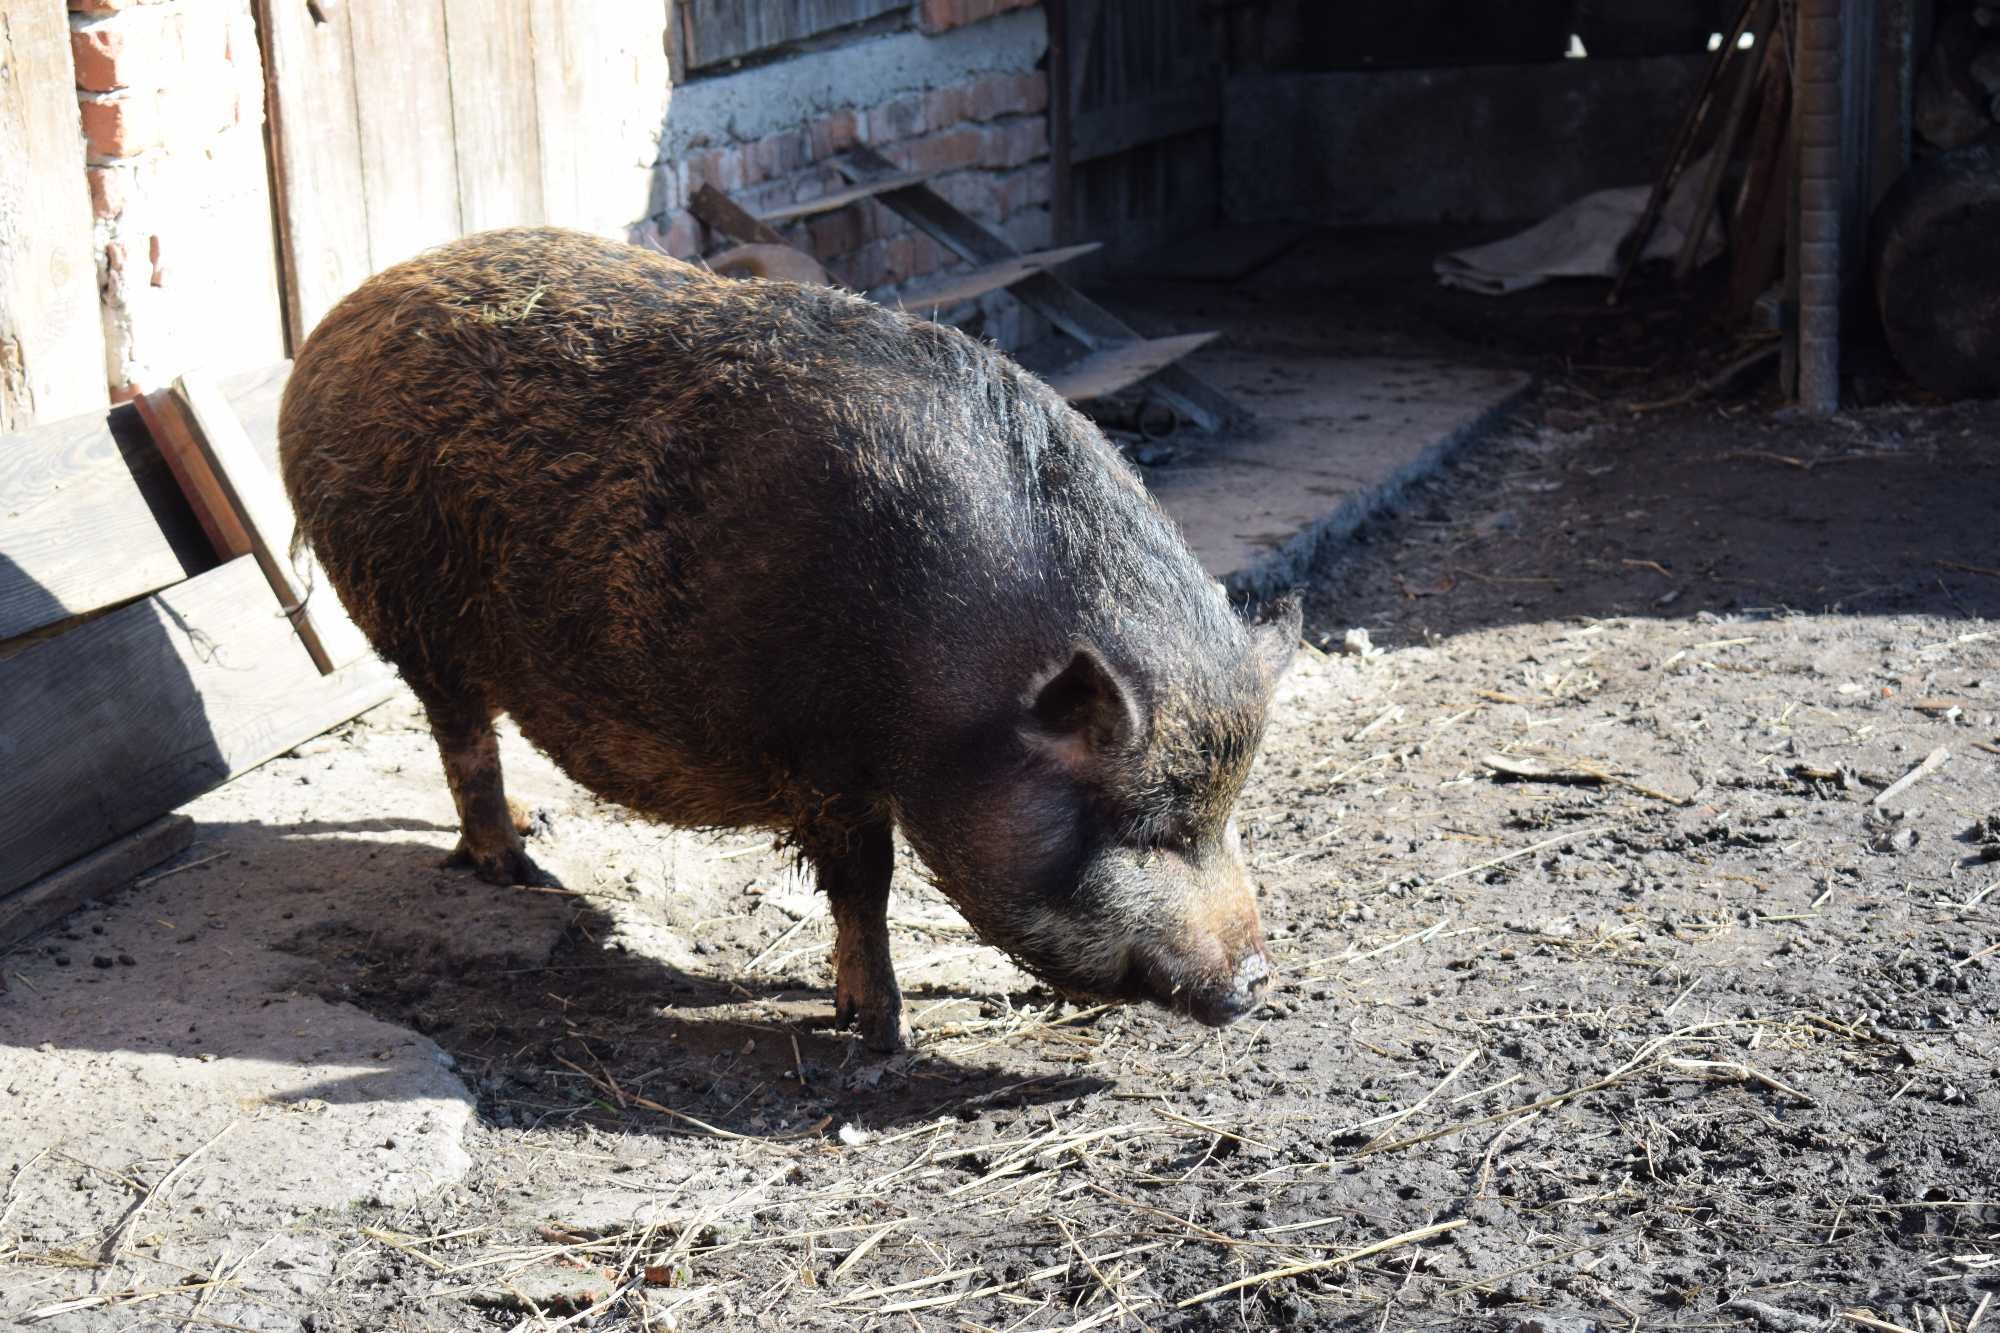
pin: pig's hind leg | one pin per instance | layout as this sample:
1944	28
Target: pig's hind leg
856	881
489	840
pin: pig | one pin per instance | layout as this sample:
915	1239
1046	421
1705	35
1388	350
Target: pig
755	554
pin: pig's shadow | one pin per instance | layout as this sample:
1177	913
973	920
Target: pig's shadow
547	1018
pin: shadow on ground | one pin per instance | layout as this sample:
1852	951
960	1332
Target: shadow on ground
543	1012
1703	514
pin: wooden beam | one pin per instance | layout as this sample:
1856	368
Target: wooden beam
1061	56
90	518
1121	365
1042	292
971	284
312	126
722	30
97	875
490	50
244	510
51	330
725	215
853	194
1118	129
119	720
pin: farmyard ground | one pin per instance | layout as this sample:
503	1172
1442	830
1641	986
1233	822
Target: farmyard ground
1707	1041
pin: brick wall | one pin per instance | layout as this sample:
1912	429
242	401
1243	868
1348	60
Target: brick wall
985	138
170	98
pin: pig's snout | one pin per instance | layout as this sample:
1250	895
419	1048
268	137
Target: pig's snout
1219	1006
1216	996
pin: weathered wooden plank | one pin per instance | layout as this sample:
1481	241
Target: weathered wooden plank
102	872
721	213
256	396
236	476
120	720
1121	365
1043	292
409	168
89	517
853	194
1117	129
313	128
601	88
491	53
719	30
51	334
971	284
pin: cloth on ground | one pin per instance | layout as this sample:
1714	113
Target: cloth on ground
1581	240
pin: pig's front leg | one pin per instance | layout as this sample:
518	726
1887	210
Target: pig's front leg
856	882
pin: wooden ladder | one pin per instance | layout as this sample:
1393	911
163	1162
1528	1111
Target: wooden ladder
1115	355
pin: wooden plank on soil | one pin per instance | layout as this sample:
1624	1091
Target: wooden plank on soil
102	872
120	720
974	283
491	52
409	167
1120	365
89	517
313	128
853	194
51	331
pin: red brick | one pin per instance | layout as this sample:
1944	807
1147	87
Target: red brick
981	98
837	233
682	238
775	155
107	191
720	167
1031	93
895	121
953	150
120	124
1029	229
155	48
833	134
944	108
968	192
928	256
1017	190
1024	140
939	15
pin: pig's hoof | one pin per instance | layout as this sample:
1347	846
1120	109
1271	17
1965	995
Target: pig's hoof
883	1027
508	867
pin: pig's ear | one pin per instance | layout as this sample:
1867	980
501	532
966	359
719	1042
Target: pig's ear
1274	634
1085	710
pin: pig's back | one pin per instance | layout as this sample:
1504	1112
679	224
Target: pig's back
668	520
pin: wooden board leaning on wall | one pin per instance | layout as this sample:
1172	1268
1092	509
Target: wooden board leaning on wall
139	668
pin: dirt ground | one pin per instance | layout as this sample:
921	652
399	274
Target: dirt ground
1700	1035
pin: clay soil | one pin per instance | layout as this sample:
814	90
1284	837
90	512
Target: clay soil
1696	1029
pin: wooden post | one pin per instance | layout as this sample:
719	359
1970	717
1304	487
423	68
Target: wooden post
1061	222
1816	240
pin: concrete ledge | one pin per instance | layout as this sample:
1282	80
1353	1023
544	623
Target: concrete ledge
1336	440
